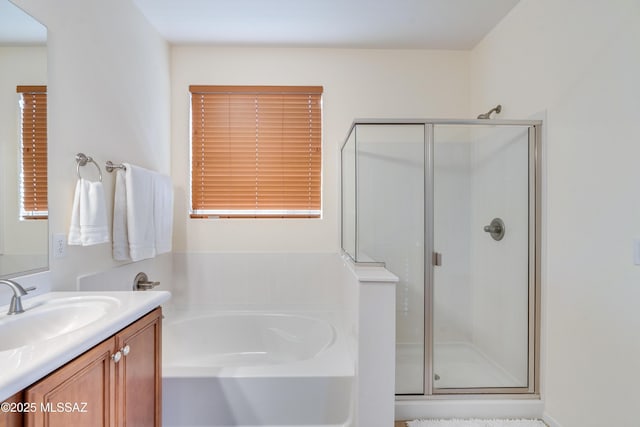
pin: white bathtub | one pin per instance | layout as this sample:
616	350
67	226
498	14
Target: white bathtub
255	369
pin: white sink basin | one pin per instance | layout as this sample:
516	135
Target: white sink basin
56	327
52	318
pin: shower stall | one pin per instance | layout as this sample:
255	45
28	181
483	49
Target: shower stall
452	207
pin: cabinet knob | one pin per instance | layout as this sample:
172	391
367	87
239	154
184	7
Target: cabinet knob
116	357
125	350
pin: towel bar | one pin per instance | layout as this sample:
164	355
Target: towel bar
82	160
110	166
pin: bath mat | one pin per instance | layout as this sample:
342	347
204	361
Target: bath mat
475	422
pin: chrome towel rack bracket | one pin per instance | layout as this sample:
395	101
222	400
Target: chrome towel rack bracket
110	166
82	160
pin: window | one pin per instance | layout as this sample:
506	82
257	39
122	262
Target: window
256	151
33	152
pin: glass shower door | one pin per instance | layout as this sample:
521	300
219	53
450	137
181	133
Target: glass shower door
391	229
482	232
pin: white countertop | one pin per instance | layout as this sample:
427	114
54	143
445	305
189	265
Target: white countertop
22	366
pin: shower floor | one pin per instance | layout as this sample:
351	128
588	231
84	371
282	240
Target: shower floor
456	364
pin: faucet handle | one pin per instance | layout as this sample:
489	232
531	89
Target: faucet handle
29	289
142	282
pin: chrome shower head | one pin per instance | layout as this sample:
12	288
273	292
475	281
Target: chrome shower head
487	115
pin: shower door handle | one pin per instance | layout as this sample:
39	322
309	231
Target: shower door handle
437	259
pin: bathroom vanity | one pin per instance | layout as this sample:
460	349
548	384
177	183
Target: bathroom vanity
105	373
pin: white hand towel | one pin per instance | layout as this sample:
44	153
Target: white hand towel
89	215
120	237
140	207
163	212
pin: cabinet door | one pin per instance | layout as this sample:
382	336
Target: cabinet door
9	418
139	373
77	395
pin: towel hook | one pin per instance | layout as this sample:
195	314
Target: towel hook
82	160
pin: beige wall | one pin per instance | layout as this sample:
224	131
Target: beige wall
579	62
357	84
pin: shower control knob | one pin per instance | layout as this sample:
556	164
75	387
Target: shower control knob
496	229
492	228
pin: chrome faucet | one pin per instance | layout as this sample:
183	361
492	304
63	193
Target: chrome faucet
18	292
142	283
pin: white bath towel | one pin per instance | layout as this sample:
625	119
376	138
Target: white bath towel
140	207
142	214
88	215
163	212
120	237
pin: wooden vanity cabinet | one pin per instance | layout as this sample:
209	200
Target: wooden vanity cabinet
9	416
100	388
89	379
139	397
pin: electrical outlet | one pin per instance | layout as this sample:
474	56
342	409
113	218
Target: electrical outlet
59	245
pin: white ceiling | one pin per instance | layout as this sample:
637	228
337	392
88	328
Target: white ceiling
428	24
16	27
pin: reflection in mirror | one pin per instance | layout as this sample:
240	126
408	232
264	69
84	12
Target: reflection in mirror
23	63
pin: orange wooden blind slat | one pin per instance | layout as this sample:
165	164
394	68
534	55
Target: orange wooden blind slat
255	89
33	151
256	148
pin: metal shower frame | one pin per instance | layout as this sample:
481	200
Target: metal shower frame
532	390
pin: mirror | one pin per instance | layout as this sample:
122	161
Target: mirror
24	242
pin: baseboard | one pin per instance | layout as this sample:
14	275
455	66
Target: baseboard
551	422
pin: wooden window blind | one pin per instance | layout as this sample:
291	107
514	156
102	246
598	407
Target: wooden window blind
33	152
256	151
